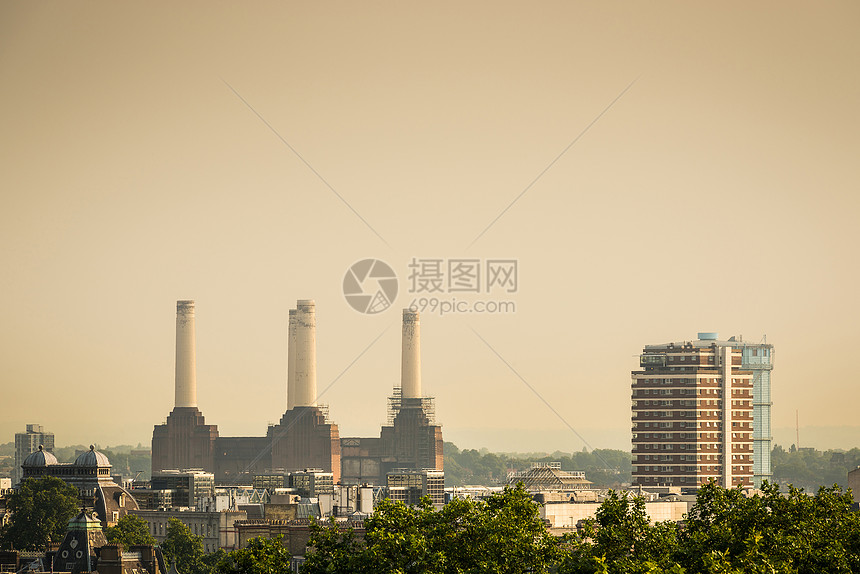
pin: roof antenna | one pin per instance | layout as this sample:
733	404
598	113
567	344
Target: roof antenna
797	428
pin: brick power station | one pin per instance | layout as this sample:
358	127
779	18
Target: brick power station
304	437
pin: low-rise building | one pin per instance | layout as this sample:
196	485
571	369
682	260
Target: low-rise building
271	479
149	499
471	492
409	485
854	483
296	534
90	474
548	476
85	549
311	482
233	498
5	486
563	511
218	529
187	486
346	500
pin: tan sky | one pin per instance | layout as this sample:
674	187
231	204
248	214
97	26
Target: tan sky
719	193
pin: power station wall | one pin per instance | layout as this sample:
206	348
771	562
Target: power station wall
238	459
411	442
184	441
361	460
304	439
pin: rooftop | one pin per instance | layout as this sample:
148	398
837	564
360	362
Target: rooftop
546	477
706	340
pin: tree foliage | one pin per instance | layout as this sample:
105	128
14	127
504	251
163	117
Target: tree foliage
130	530
184	548
620	539
261	556
41	509
726	531
772	531
501	534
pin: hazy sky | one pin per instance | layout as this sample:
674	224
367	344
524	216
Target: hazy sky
718	193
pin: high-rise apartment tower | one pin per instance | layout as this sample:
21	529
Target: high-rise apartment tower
701	411
27	442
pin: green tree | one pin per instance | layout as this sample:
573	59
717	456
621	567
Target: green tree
130	530
501	534
333	551
727	531
772	531
261	556
620	539
185	548
41	509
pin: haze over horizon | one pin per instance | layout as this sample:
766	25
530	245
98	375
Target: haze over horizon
673	168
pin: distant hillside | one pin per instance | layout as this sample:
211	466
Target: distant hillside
605	467
120	457
809	469
129	465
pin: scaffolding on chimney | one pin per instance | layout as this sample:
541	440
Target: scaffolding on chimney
395	404
323	407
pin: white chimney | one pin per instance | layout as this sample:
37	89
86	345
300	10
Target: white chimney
305	375
410	364
291	361
186	356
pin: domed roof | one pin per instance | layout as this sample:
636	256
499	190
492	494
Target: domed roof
92	458
40	458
